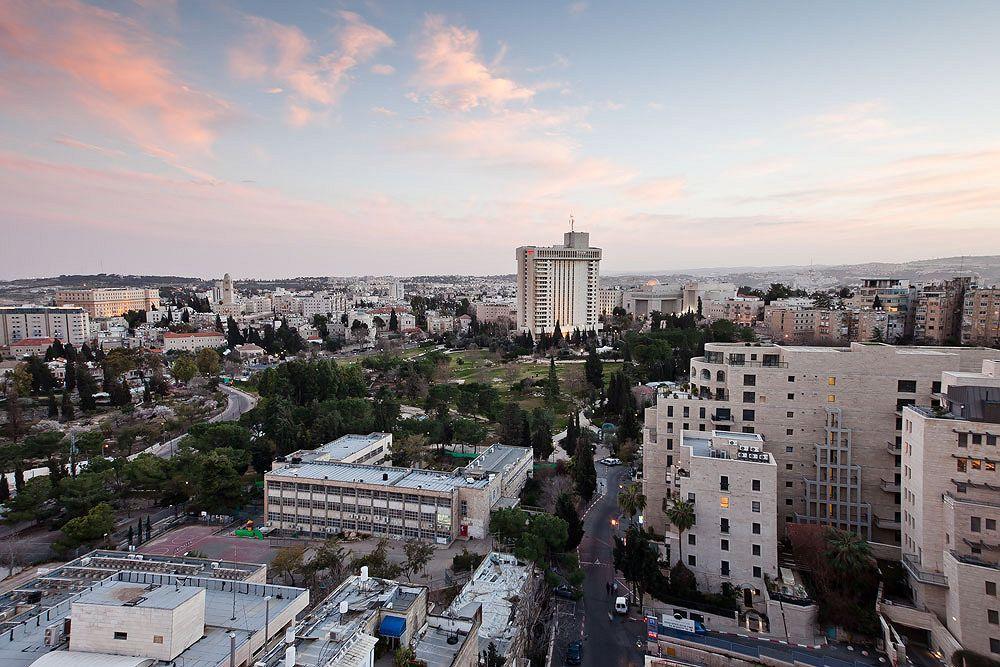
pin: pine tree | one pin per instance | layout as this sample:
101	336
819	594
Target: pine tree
541	434
218	324
584	474
557	335
68	413
149	528
131	535
525	431
53	406
393	321
593	369
4	488
567	511
70	382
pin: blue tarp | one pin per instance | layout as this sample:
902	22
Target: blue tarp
392	626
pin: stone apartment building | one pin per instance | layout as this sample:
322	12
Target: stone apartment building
742	310
109	301
937	317
981	316
821	326
732	483
68	324
951	506
823	412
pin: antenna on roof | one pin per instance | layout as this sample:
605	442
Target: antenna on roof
571	222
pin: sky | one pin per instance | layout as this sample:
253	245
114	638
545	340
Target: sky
373	138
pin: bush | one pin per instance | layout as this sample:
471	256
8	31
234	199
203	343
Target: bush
466	561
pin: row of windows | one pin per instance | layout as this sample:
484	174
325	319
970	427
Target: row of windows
351	492
724	569
363	525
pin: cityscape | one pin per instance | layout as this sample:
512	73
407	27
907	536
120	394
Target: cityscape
359	334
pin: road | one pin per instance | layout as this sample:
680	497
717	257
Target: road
238	403
609	639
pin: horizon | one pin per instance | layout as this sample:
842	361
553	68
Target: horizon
176	138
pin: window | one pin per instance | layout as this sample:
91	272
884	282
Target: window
749	397
788	466
789	431
789	414
692	539
157	639
692	561
991	524
975	524
963	439
723	483
977	438
791	396
961	465
724	525
789	449
724	502
994	645
757	572
464	508
832	381
750	380
756	529
725	568
831	398
690	497
755	506
121	635
993	616
788	501
791	378
906	386
991	588
748	415
755	485
724	545
755	549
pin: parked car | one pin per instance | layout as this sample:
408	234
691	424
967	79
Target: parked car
564	591
621	605
574	653
611	461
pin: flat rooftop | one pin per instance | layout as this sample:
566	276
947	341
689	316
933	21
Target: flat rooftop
342	447
498	458
443	639
127	594
497	586
359	473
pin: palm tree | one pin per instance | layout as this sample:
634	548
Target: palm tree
681	515
631	500
847	552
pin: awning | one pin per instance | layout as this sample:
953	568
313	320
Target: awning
392	626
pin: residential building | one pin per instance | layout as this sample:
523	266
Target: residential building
558	285
30	347
981	316
951	506
608	300
937	318
741	310
438	323
865	325
109	301
798	325
257	304
106	607
320	495
250	352
192	342
67	323
893	296
732	483
822	410
501	313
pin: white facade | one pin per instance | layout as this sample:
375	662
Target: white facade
68	324
109	301
558	285
192	342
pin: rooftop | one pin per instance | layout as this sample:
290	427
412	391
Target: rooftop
194	334
403	478
33	341
443	639
126	594
342	447
498	458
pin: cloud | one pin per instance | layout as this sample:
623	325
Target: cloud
284	55
611	105
655	106
759	168
864	121
110	67
657	190
577	8
559	61
81	145
382	69
382	111
453	75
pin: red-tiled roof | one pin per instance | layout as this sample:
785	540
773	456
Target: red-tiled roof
32	342
196	334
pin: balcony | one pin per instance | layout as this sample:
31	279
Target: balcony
893	448
888	524
722	418
889	487
912	565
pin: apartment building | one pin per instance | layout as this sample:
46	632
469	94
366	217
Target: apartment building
109	301
951	506
894	297
558	285
822	410
322	496
69	324
742	310
937	312
732	483
608	300
192	342
30	347
796	326
981	316
489	311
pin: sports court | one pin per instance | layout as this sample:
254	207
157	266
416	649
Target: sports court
215	545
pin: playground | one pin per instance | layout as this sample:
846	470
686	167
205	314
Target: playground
214	544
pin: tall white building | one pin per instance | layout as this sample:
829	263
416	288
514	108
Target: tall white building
68	324
558	284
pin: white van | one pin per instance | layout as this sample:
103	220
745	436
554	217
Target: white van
621	606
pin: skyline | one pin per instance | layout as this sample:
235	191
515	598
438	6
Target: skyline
369	138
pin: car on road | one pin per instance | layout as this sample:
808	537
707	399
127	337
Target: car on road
574	653
621	605
611	461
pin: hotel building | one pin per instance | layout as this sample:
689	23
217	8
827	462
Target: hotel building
68	324
109	301
558	285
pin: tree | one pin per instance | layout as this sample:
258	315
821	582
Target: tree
86	386
848	552
393	321
567	511
15	418
53	406
636	558
552	383
96	524
208	361
593	369
403	657
541	434
584	473
288	562
330	557
4	488
131	536
184	368
233	335
511	423
67	406
631	500
491	657
418	555
681	515
378	563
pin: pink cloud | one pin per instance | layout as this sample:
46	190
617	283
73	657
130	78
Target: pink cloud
454	75
285	56
657	190
111	67
382	69
864	121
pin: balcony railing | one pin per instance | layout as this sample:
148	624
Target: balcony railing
888	524
893	448
889	487
722	418
912	565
